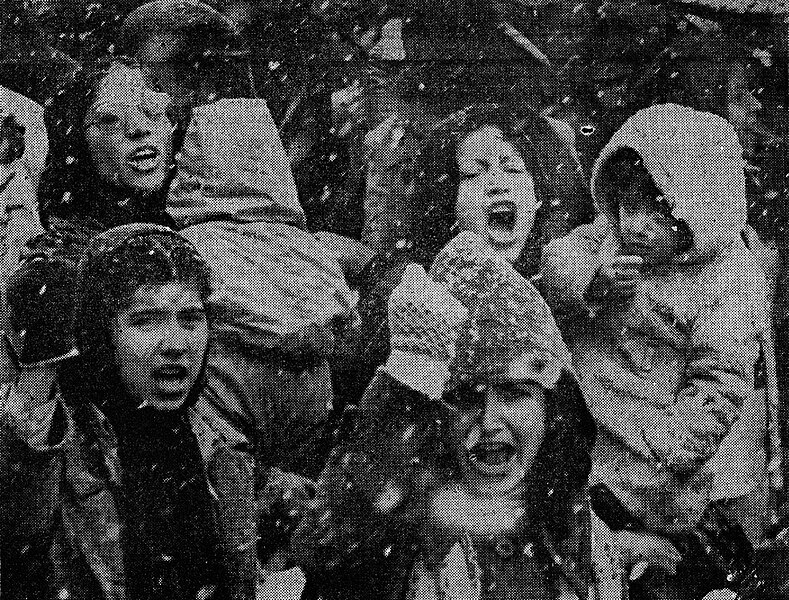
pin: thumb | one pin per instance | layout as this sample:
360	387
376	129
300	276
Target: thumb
414	277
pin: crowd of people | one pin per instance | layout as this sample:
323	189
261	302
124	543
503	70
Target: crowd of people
398	323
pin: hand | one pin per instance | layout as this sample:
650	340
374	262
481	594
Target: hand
353	256
388	145
619	278
639	550
424	318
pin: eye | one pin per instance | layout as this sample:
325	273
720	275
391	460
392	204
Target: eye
466	175
191	319
511	165
143	320
467	397
509	394
107	120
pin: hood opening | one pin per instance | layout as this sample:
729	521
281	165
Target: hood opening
695	159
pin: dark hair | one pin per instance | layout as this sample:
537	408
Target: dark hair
113	268
436	176
625	167
430	221
69	184
560	470
561	466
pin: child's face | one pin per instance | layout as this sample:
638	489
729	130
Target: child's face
646	228
160	342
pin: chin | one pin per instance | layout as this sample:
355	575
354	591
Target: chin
165	404
456	509
148	184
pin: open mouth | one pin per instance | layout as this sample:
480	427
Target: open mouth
637	248
492	458
171	373
144	159
502	218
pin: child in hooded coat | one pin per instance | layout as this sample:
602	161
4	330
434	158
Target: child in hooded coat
399	513
278	300
666	341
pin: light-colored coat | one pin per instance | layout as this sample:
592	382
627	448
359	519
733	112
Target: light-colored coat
669	373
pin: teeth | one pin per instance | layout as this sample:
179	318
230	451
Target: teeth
492	455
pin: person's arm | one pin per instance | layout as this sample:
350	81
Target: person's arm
387	445
30	406
723	349
569	267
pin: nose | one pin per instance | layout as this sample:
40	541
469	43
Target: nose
137	124
497	183
491	418
175	339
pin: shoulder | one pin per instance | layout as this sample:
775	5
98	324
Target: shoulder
735	272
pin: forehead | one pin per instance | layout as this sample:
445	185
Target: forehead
484	142
503	381
120	85
173	295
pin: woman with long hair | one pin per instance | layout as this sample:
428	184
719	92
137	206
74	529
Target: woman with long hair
508	176
111	149
462	473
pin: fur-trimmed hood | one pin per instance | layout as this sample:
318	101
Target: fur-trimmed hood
695	160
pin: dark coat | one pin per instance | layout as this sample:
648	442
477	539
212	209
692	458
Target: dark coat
357	543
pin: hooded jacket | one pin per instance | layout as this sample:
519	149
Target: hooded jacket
669	373
371	533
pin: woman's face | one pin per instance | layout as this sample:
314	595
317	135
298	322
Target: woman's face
128	133
499	427
495	197
160	342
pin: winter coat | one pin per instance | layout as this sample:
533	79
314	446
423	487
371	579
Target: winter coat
669	373
278	295
393	446
567	204
64	522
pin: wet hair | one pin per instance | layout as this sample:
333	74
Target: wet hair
437	177
110	274
68	185
625	168
114	266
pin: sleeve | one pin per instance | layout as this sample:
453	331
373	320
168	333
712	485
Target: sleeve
33	418
569	264
723	349
367	496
